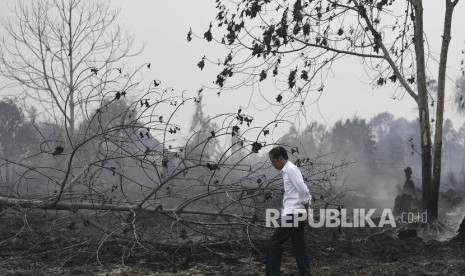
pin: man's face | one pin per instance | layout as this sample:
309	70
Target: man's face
278	163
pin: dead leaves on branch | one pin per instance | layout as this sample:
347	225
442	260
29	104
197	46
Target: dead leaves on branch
290	28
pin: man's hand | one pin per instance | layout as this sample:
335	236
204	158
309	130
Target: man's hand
306	211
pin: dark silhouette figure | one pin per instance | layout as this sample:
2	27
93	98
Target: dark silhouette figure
407	201
409	187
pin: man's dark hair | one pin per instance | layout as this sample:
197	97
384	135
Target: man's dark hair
278	151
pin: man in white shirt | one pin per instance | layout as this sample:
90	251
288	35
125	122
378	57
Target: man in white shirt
295	203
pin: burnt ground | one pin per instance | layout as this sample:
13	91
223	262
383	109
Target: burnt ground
26	249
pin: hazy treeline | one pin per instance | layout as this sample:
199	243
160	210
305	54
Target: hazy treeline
378	150
33	155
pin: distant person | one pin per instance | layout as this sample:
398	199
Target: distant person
407	200
409	187
295	202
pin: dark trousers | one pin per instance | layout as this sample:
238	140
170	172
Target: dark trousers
296	234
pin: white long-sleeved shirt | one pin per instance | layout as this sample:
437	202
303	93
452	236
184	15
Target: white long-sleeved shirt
296	193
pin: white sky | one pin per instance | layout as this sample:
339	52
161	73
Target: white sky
162	25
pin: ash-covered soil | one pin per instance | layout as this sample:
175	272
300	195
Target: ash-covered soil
30	250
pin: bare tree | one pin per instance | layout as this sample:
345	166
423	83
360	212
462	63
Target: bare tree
64	54
297	41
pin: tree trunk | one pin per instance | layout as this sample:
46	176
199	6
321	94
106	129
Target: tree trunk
426	156
425	130
437	147
72	104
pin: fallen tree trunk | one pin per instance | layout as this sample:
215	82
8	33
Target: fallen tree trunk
71	206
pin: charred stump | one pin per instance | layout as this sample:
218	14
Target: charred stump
461	232
404	203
